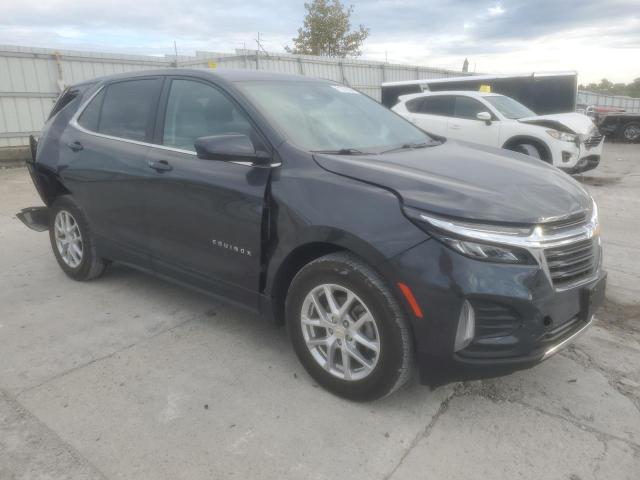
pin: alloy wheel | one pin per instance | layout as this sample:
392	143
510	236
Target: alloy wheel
340	332
68	238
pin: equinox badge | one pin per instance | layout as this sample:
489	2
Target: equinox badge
229	246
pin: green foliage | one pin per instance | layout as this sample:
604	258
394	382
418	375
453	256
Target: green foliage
609	88
326	31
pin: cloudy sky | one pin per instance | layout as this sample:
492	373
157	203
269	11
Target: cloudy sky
598	38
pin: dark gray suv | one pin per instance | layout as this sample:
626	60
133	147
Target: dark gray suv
310	203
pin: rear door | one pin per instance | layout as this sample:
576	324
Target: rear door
432	113
464	125
105	151
205	216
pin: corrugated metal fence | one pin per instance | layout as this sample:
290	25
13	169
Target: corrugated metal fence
32	78
629	104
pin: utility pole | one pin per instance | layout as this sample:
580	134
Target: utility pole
175	50
258	52
260	47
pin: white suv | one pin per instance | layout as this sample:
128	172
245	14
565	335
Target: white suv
569	141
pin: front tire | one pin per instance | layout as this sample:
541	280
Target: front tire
347	329
527	149
71	241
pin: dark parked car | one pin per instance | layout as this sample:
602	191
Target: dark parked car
317	207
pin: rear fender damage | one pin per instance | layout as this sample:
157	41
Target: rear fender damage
36	218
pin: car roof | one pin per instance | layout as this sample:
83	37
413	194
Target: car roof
467	93
224	74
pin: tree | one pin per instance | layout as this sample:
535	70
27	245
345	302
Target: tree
326	31
609	88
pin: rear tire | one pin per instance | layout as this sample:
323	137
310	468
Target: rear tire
362	348
630	132
71	240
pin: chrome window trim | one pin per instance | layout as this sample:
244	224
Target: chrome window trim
74	123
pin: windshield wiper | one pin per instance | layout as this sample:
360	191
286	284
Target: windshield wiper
407	146
343	151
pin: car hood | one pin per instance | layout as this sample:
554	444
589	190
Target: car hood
576	123
468	181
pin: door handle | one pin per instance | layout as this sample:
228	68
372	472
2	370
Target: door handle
159	165
455	127
75	146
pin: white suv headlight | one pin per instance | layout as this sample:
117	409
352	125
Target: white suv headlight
562	136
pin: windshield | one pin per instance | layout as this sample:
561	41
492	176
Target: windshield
327	117
508	107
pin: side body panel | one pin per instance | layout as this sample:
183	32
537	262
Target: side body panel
205	223
437	124
310	205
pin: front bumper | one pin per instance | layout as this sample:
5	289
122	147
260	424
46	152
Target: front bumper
521	318
580	158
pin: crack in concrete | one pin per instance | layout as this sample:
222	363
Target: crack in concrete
23	412
424	433
104	357
613	378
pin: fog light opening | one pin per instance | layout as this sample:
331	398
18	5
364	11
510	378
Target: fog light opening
547	321
466	326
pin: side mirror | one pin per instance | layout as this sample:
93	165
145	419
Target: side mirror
233	147
485	117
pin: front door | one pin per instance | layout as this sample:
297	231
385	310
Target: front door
205	216
464	124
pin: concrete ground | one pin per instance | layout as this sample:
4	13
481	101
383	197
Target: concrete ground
129	377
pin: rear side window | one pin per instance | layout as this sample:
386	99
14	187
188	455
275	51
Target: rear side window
414	105
128	109
91	113
123	109
64	99
468	108
438	105
197	110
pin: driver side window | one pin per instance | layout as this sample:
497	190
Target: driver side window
196	110
468	108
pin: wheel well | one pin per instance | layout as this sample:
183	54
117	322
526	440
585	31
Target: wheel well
297	259
545	153
51	187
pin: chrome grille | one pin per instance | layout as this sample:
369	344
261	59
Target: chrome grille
569	264
594	140
561	226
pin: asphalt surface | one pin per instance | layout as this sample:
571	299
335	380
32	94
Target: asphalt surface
129	377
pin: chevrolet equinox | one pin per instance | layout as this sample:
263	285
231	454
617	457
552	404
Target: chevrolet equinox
379	246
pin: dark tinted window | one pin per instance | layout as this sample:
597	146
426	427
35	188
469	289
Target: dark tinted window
69	95
438	105
466	107
91	114
197	110
128	107
414	105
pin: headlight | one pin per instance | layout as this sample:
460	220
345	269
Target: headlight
563	136
490	243
489	253
595	223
